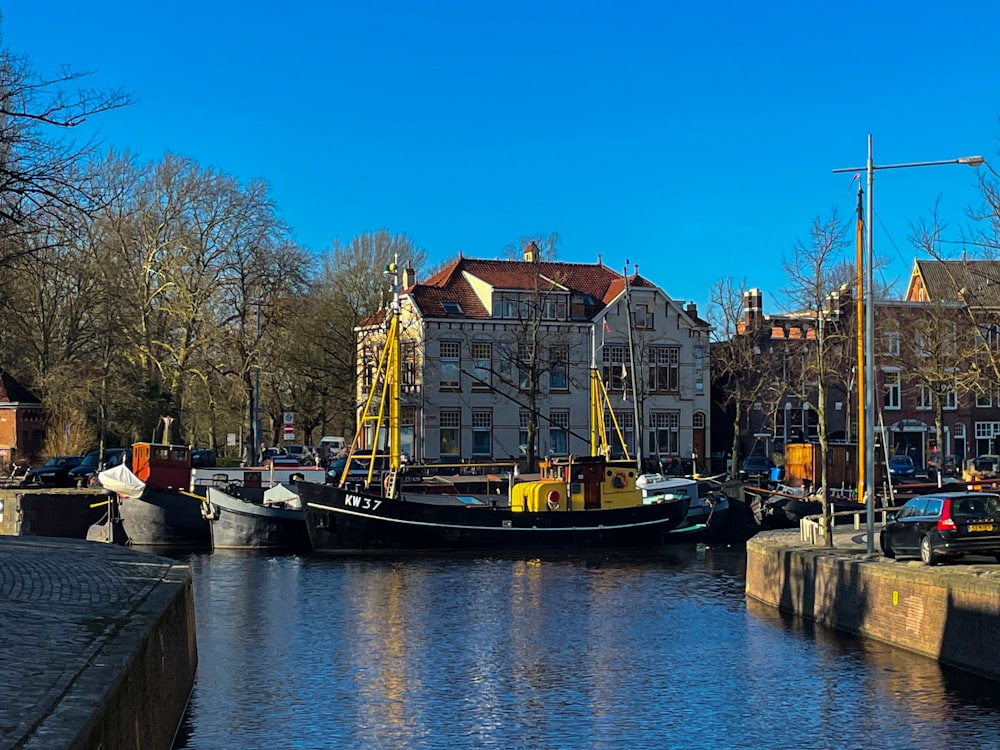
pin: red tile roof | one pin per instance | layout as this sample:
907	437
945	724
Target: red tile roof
451	284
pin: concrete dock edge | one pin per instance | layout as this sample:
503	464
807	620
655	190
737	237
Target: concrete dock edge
947	612
101	645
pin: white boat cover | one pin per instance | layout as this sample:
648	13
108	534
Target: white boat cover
281	494
120	479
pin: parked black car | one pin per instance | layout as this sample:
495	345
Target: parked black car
53	473
202	458
934	527
85	472
756	466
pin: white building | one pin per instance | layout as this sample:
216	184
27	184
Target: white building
486	343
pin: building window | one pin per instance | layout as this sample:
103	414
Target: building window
626	421
925	397
523	368
407	420
642	317
984	396
554	307
891	398
408	366
559	368
368	362
664	433
950	400
559	433
451	425
986	434
482	363
510	305
451	307
522	434
451	365
482	432
892	343
613	366
664	368
698	421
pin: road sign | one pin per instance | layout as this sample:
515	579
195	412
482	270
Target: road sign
289	417
289	432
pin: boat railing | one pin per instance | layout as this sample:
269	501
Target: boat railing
461	469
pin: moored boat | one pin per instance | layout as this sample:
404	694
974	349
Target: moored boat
545	514
256	519
708	511
162	513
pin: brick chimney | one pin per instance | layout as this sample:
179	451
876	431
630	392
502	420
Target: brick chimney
532	254
753	308
409	277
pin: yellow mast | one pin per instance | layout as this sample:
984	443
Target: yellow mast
385	392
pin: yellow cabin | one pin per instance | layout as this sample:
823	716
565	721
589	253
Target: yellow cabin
581	483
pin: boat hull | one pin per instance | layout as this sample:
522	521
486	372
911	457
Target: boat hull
343	520
164	519
236	523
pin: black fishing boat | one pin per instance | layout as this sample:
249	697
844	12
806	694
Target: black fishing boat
350	518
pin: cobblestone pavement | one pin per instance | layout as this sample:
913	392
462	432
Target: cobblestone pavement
61	602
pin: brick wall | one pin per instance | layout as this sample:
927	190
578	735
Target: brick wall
948	614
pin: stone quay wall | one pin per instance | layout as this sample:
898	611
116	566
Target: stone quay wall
950	613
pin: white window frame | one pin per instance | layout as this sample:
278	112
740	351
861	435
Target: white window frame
892	389
450	358
482	432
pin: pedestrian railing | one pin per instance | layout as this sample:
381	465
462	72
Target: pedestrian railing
811	527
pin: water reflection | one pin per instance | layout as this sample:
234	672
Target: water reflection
607	651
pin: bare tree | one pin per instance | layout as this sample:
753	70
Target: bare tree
816	271
939	354
40	167
349	291
739	366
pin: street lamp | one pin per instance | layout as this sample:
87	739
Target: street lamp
868	363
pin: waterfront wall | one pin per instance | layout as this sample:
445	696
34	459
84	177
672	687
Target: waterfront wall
133	690
950	613
152	664
49	512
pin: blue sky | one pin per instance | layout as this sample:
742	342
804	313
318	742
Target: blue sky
695	139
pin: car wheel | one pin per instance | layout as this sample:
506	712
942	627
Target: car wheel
887	550
927	553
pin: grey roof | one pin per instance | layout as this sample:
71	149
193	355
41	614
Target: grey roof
975	282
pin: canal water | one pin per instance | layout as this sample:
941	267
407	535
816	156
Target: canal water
661	651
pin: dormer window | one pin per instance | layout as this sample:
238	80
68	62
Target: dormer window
451	307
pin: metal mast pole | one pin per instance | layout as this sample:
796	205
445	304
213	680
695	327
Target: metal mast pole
255	417
861	370
631	360
870	369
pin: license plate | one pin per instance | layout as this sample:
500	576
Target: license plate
980	527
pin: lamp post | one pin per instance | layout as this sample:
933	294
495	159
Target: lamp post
868	363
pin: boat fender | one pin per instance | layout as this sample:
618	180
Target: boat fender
552	499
